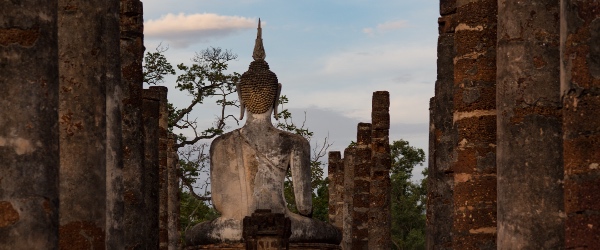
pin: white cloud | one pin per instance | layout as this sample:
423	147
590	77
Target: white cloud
385	27
380	59
346	80
392	25
181	30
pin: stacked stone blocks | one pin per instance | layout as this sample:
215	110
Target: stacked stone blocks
362	179
535	58
84	116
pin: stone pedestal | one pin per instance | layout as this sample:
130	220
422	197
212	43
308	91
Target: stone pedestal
292	246
267	231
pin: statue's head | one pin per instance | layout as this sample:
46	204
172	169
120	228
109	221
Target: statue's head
258	89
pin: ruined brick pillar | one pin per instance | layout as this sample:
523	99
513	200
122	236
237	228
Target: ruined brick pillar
29	151
150	115
348	208
91	204
580	87
380	219
443	137
362	183
474	115
173	209
132	52
530	146
163	178
335	173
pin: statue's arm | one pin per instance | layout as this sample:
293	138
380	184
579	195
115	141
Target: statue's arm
301	176
215	159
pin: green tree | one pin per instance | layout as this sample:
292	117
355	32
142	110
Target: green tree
408	197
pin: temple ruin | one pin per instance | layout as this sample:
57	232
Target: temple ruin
514	143
72	82
514	135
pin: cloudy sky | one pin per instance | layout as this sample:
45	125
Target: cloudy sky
330	55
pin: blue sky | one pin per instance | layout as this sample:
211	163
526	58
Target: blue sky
330	55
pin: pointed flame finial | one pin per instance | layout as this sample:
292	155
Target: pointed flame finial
259	50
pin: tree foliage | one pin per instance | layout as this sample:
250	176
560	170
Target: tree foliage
408	198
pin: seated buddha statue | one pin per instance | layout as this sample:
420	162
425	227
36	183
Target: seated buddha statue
248	167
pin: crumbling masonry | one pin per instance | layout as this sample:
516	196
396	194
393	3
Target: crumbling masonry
359	188
86	161
514	138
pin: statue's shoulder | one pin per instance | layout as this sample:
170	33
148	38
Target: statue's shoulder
297	139
226	138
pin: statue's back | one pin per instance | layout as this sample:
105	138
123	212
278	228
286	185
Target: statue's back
248	169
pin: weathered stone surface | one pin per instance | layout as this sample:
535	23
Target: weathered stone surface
292	246
266	230
347	210
150	114
132	52
362	185
529	153
447	7
90	128
580	89
335	173
163	191
173	193
443	140
380	185
29	153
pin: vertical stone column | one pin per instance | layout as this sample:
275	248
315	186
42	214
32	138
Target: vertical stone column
150	114
474	116
580	87
163	178
29	154
347	210
173	193
335	172
132	52
380	206
443	137
530	147
89	118
362	183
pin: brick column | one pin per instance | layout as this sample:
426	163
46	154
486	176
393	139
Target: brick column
89	123
335	172
380	219
347	210
29	150
530	147
132	52
475	119
173	193
443	138
163	182
580	86
150	114
362	183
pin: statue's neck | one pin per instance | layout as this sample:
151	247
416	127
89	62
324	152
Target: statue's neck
259	120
